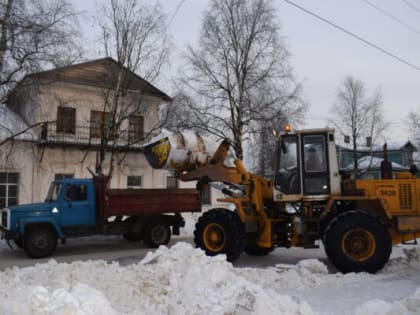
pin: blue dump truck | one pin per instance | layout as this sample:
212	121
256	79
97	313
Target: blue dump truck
84	207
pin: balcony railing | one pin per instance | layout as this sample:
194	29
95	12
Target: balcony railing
88	136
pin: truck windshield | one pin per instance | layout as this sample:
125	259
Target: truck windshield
287	177
53	192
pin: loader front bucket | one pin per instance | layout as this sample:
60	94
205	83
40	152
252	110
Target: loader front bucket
157	153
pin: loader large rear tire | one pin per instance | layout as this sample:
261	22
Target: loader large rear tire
220	231
356	241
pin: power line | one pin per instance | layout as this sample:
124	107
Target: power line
392	17
411	6
355	36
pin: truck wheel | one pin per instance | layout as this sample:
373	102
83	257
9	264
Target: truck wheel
256	250
355	241
39	242
134	227
220	231
156	234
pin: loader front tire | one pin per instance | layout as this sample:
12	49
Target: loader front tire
220	231
356	241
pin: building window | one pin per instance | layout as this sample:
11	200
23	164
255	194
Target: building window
9	183
171	182
134	181
66	120
63	176
101	124
135	128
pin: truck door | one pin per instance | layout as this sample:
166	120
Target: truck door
77	208
315	168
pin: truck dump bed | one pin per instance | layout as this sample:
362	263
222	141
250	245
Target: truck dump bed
135	202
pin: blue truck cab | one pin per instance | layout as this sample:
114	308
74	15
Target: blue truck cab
69	203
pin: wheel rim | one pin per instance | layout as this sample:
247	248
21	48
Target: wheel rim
358	244
41	241
159	234
214	237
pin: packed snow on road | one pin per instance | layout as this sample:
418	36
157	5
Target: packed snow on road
183	280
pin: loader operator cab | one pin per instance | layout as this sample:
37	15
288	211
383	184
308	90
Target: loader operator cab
306	165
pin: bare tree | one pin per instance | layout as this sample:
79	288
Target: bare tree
134	34
33	35
357	115
240	75
413	123
179	114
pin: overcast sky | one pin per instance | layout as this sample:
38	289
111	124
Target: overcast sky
322	55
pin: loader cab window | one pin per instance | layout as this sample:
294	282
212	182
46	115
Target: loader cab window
287	178
315	166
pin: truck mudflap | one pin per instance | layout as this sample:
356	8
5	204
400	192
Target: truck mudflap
179	222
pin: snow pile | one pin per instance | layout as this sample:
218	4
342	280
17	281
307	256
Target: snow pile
36	299
400	264
210	284
408	306
403	266
179	280
306	274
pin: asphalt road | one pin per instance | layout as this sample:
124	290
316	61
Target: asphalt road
125	253
108	249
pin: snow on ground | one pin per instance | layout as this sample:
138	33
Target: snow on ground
182	280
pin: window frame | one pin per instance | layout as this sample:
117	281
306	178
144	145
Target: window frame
135	128
140	177
172	178
7	185
99	123
61	176
66	120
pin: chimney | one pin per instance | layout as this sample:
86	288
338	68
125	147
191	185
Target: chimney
368	141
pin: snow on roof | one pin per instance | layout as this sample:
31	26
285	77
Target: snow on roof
371	162
391	146
12	124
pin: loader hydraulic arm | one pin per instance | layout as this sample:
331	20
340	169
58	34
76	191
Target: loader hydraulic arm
191	162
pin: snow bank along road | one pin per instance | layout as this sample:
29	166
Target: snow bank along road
182	280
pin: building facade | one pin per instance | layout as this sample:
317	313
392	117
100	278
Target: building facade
67	114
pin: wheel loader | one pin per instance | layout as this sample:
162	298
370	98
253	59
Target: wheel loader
305	204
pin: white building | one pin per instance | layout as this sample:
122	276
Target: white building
67	110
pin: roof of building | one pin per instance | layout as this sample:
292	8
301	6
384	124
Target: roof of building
391	146
101	73
373	163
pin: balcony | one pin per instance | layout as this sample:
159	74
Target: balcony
87	137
